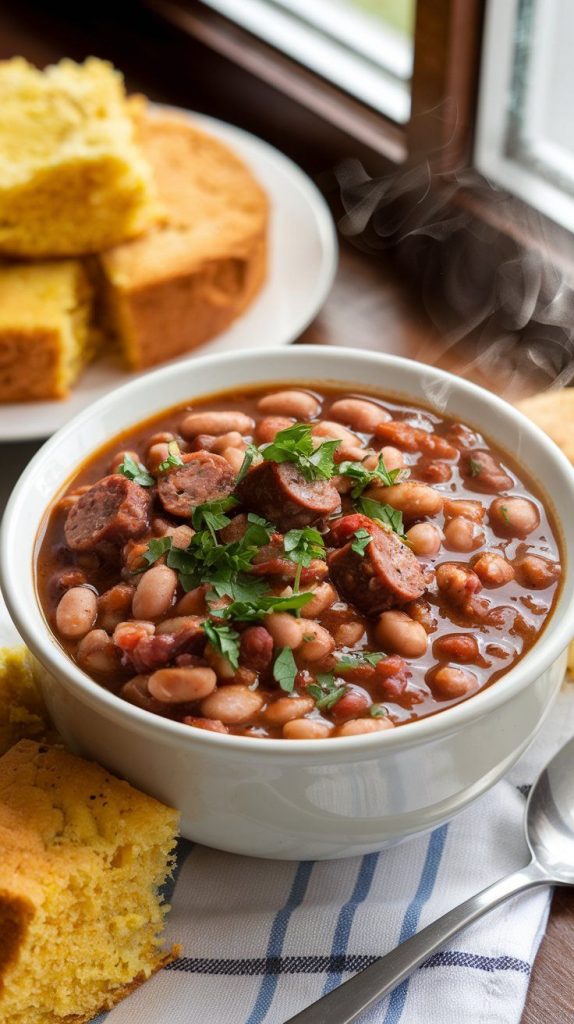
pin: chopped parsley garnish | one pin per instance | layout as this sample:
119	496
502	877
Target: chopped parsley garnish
285	670
257	607
302	547
388	516
357	660
295	444
156	548
225	640
474	466
364	477
362	539
173	458
504	513
378	711
211	515
135	471
326	690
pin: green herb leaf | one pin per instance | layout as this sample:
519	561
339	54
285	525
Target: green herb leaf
285	670
382	513
378	711
359	659
326	690
156	548
135	471
475	467
173	459
256	608
364	477
259	531
211	515
252	453
362	539
296	444
225	640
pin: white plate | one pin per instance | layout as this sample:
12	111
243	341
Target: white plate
302	265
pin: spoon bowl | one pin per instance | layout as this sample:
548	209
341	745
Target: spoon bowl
549	819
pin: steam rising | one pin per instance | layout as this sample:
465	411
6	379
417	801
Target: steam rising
511	306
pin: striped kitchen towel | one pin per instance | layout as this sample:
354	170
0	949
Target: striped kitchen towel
262	939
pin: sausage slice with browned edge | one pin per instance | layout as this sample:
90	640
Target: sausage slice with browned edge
112	512
280	493
204	477
386	576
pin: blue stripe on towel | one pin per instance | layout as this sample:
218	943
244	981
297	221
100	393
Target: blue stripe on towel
346	917
254	966
413	913
276	940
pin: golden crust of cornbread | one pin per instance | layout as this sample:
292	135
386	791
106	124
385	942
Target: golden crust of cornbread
46	330
553	412
23	714
72	178
82	855
188	278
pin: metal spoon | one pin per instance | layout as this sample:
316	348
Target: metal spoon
549	827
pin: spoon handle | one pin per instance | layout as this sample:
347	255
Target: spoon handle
344	1004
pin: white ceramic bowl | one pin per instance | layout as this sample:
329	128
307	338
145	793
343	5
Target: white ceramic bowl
303	798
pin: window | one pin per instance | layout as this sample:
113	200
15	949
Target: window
365	47
525	132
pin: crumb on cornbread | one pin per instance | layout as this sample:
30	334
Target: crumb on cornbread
23	714
188	278
46	331
72	178
82	856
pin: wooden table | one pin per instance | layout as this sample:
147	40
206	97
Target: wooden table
370	306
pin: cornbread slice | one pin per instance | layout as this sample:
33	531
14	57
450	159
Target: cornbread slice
22	710
188	278
72	179
46	337
82	856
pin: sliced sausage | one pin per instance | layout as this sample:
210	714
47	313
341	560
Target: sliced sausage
386	576
112	512
280	492
204	477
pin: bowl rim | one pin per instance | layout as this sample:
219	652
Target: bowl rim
43	644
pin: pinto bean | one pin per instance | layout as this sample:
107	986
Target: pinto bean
215	423
347	634
156	454
536	572
472	510
97	653
154	593
299	404
362	726
451	682
335	432
411	498
136	692
192	603
232	705
114	606
316	641
433	472
234	457
179	623
233	439
306	729
286	709
456	647
207	724
424	539
513	517
457	583
180	685
462	534
393	458
285	629
182	536
360	415
483	472
324	595
420	611
256	648
133	555
219	663
268	428
397	632
162	437
492	569
76	612
119	457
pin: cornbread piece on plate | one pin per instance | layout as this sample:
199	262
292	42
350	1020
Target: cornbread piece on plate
72	179
187	279
82	856
553	411
46	336
22	710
